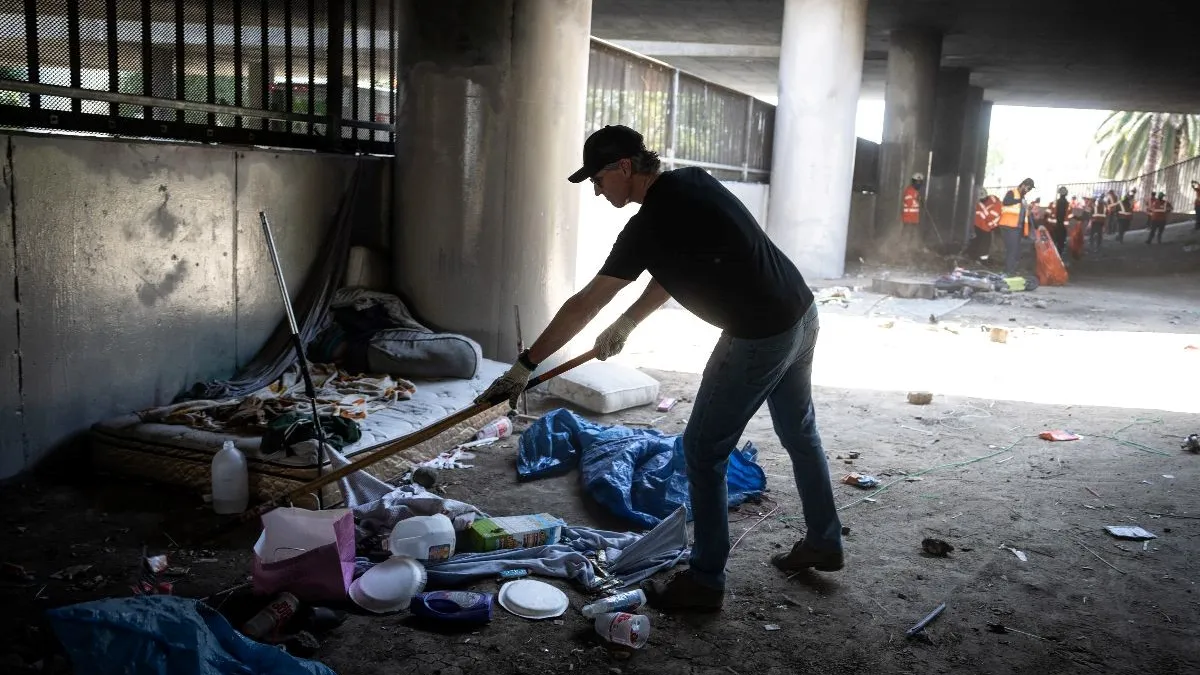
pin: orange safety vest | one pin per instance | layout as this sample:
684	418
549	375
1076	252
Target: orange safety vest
1158	210
987	213
910	211
1010	215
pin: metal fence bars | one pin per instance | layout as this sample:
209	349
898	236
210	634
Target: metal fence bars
689	121
289	73
1175	180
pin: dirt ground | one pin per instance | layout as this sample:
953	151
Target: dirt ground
968	469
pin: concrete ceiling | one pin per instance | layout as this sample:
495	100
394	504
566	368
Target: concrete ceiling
1055	53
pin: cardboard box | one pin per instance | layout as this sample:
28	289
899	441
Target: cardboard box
493	534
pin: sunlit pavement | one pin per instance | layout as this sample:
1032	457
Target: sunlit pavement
1039	365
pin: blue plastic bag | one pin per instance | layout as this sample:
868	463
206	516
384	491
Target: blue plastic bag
638	474
165	635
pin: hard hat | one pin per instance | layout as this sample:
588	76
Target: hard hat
1062	191
423	538
918	176
1029	182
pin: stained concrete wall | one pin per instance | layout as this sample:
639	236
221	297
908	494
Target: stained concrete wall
138	269
491	125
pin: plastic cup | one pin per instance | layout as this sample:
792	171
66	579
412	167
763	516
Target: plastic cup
623	628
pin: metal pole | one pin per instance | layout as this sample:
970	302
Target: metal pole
297	342
520	350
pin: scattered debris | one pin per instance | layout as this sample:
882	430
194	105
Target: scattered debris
1133	533
1040	304
936	547
839	294
771	626
666	404
1099	558
1167	475
69	573
920	397
860	480
999	335
845	530
913	479
1191	443
1094	493
919	627
1058	435
13	571
852	455
998	627
1020	554
425	476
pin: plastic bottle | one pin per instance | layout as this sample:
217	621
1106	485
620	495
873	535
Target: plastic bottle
501	427
623	628
621	602
272	617
230	480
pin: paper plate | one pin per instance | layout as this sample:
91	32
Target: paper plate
389	586
532	599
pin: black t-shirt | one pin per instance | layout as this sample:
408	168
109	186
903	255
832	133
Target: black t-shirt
702	245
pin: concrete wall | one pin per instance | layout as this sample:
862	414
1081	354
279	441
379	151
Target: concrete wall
139	269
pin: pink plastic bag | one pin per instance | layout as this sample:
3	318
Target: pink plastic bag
310	554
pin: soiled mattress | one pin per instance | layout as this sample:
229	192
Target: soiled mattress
182	455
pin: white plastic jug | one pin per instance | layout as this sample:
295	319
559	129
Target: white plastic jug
230	480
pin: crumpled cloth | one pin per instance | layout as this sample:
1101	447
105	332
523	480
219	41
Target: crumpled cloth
165	635
338	394
378	506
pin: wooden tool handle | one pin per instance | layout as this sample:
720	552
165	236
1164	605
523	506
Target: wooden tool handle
389	448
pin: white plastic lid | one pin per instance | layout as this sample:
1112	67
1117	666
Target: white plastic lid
423	537
532	599
389	586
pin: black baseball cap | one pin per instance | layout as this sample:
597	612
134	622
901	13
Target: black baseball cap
605	146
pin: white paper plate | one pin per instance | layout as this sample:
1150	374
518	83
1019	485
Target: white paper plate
532	599
389	586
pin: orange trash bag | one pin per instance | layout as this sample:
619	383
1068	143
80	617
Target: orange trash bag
1050	269
1075	244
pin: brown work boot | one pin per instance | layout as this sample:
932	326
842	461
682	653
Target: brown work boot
802	557
683	592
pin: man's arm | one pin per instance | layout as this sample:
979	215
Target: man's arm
1011	198
575	313
651	299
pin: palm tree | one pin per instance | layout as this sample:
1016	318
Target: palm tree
1139	143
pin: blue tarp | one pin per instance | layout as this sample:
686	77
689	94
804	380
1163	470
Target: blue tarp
638	474
165	635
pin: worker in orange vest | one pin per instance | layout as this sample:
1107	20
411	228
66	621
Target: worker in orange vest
987	218
1015	223
1159	208
1099	216
910	212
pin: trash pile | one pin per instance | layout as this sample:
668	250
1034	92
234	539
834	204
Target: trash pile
407	549
969	282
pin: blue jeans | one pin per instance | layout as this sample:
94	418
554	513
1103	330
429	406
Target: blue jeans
740	375
1012	249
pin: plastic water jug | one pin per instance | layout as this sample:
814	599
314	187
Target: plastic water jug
230	480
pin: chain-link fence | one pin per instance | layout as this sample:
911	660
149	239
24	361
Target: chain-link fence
237	71
1175	180
689	121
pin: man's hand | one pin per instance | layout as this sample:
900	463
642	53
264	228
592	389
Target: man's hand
611	341
509	385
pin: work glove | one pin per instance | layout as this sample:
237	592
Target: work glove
611	340
509	385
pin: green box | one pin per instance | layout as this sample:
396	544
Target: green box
494	534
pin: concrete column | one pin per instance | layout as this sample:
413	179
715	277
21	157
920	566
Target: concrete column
984	130
490	126
945	183
968	177
812	168
912	68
